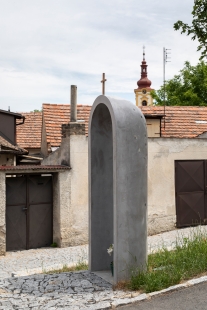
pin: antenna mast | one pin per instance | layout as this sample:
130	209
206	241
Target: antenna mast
166	52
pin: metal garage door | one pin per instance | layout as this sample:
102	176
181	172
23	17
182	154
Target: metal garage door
28	212
191	194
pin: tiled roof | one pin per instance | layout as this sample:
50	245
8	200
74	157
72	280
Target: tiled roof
7	146
34	167
57	114
180	121
29	133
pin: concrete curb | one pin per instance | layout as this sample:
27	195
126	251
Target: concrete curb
127	301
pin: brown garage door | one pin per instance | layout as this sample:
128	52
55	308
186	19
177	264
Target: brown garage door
28	212
190	188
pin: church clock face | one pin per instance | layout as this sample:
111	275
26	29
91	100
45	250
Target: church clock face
144	91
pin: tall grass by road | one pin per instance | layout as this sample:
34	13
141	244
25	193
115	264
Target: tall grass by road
166	268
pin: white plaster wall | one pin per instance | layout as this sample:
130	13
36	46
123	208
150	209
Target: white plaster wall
61	208
70	204
162	153
2	214
79	189
60	156
71	187
70	192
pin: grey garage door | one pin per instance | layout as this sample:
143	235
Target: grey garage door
28	212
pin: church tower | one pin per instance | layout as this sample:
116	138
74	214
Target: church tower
142	93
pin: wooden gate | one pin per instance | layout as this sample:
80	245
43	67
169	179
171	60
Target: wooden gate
28	212
191	192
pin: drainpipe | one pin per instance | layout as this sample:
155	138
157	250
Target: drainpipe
23	119
73	103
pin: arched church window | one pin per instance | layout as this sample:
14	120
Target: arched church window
144	102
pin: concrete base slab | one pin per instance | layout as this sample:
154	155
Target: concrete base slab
106	275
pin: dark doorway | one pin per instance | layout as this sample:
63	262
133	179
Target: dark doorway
191	192
28	212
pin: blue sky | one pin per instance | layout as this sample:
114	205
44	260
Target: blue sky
48	45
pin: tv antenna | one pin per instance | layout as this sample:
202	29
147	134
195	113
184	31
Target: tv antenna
166	59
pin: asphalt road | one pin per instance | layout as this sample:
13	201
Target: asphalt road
191	298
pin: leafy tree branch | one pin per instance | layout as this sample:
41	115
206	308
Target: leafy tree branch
189	88
198	29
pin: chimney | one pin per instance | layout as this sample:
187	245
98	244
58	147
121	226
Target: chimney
73	103
73	127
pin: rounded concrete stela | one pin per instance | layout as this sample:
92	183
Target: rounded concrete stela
117	186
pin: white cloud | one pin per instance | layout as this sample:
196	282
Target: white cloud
48	45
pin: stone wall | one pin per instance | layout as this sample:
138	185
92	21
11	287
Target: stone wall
162	153
2	213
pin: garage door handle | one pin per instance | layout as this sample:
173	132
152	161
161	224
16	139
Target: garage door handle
24	208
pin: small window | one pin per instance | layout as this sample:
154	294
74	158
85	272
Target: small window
153	127
144	102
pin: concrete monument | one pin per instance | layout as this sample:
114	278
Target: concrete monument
117	186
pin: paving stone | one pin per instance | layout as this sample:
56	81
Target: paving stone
78	289
89	290
76	283
86	284
71	290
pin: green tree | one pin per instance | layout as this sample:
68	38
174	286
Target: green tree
36	110
187	88
198	29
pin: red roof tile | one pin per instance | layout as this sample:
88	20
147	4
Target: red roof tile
7	146
180	121
29	133
57	114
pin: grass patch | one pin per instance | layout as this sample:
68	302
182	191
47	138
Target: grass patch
79	266
166	268
54	245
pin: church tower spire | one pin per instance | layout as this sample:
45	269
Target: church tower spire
142	93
